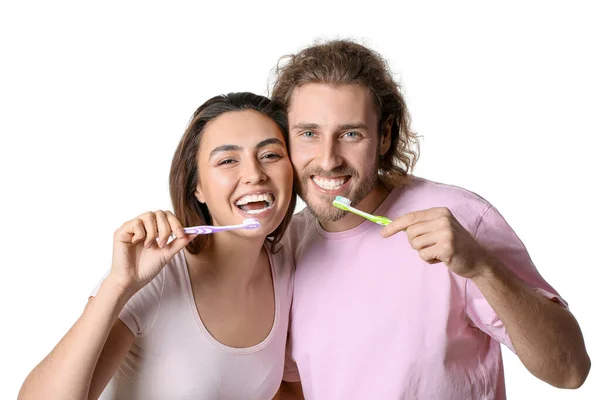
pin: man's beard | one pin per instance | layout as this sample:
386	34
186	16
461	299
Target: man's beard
323	208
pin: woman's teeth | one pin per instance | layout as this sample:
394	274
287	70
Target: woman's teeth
256	211
256	203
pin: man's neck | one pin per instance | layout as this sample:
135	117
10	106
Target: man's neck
368	204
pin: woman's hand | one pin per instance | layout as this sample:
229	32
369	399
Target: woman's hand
140	248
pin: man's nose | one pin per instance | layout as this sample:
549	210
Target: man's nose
329	156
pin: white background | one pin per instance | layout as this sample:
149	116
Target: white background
94	98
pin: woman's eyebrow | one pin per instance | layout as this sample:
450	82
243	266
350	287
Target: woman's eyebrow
225	147
267	142
235	147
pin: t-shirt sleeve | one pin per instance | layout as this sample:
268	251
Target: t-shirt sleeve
140	311
497	237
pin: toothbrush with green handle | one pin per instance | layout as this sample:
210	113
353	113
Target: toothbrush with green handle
344	204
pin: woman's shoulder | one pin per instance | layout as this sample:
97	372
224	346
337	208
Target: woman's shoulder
173	271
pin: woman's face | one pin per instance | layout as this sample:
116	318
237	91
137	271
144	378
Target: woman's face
244	171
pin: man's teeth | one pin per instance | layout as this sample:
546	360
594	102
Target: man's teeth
329	184
252	198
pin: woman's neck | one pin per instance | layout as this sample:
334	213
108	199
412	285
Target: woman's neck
229	260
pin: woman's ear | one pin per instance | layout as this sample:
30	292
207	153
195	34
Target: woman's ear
199	195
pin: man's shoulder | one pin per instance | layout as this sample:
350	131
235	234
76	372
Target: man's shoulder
301	221
420	194
442	191
299	231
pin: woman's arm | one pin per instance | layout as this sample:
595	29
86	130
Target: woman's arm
82	363
70	368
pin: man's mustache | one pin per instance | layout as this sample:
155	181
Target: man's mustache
334	173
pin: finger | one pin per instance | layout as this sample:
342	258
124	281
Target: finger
177	244
164	228
404	222
136	226
429	239
125	233
176	226
149	220
430	255
422	228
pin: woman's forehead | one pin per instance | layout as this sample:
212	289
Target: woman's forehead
243	129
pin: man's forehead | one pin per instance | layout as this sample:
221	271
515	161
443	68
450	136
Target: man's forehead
326	104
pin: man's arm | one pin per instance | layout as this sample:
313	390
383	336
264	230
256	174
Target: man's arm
545	335
289	391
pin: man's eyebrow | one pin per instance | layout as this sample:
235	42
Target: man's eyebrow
358	125
342	127
235	147
304	125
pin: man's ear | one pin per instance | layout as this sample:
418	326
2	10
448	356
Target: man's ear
386	137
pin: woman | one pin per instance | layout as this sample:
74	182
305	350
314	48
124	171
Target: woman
212	324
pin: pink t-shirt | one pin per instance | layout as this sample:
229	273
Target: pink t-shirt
371	320
175	357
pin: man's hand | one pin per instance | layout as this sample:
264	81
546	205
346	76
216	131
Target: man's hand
439	237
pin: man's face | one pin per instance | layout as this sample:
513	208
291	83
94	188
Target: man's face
334	145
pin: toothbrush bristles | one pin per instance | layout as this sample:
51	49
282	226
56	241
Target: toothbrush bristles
344	200
251	223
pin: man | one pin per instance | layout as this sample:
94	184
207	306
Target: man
418	309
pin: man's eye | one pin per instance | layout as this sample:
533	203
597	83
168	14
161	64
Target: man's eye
308	134
352	134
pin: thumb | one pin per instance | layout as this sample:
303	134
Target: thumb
177	244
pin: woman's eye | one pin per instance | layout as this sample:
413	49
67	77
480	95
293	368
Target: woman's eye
226	161
271	156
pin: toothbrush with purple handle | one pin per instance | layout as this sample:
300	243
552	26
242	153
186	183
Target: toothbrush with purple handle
249	223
